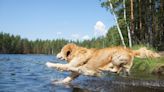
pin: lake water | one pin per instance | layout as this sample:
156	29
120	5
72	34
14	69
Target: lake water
28	73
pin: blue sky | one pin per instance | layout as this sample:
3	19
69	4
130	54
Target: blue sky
52	19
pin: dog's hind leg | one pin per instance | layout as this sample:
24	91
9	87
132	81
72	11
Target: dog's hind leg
114	69
126	70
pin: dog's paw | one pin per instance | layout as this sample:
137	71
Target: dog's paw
53	65
59	82
49	64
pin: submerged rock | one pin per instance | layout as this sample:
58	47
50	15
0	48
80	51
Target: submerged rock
119	84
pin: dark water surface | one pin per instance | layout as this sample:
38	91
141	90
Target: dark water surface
28	73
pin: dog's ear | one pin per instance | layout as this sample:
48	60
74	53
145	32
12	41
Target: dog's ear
68	53
68	50
71	48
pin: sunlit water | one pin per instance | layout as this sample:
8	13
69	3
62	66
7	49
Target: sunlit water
28	73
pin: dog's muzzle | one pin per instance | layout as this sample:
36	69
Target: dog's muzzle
60	57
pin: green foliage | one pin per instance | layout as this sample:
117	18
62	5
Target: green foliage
113	37
147	66
148	21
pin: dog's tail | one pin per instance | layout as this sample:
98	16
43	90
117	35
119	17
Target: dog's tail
145	53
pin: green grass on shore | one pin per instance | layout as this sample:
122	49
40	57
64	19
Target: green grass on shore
147	65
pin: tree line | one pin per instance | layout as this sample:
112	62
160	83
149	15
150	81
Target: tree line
14	44
17	45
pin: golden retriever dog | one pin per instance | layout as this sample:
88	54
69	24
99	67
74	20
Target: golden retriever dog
92	61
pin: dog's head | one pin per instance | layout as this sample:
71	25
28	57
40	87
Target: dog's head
66	52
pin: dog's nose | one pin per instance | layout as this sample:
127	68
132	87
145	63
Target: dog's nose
61	58
58	56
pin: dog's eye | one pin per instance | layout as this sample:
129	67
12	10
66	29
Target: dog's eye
68	52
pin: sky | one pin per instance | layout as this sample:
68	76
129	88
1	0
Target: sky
54	19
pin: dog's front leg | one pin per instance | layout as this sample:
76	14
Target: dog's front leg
63	67
57	66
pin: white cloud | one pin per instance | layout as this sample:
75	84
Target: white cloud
59	33
99	29
75	36
85	37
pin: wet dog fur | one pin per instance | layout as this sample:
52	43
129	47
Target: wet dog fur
92	61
